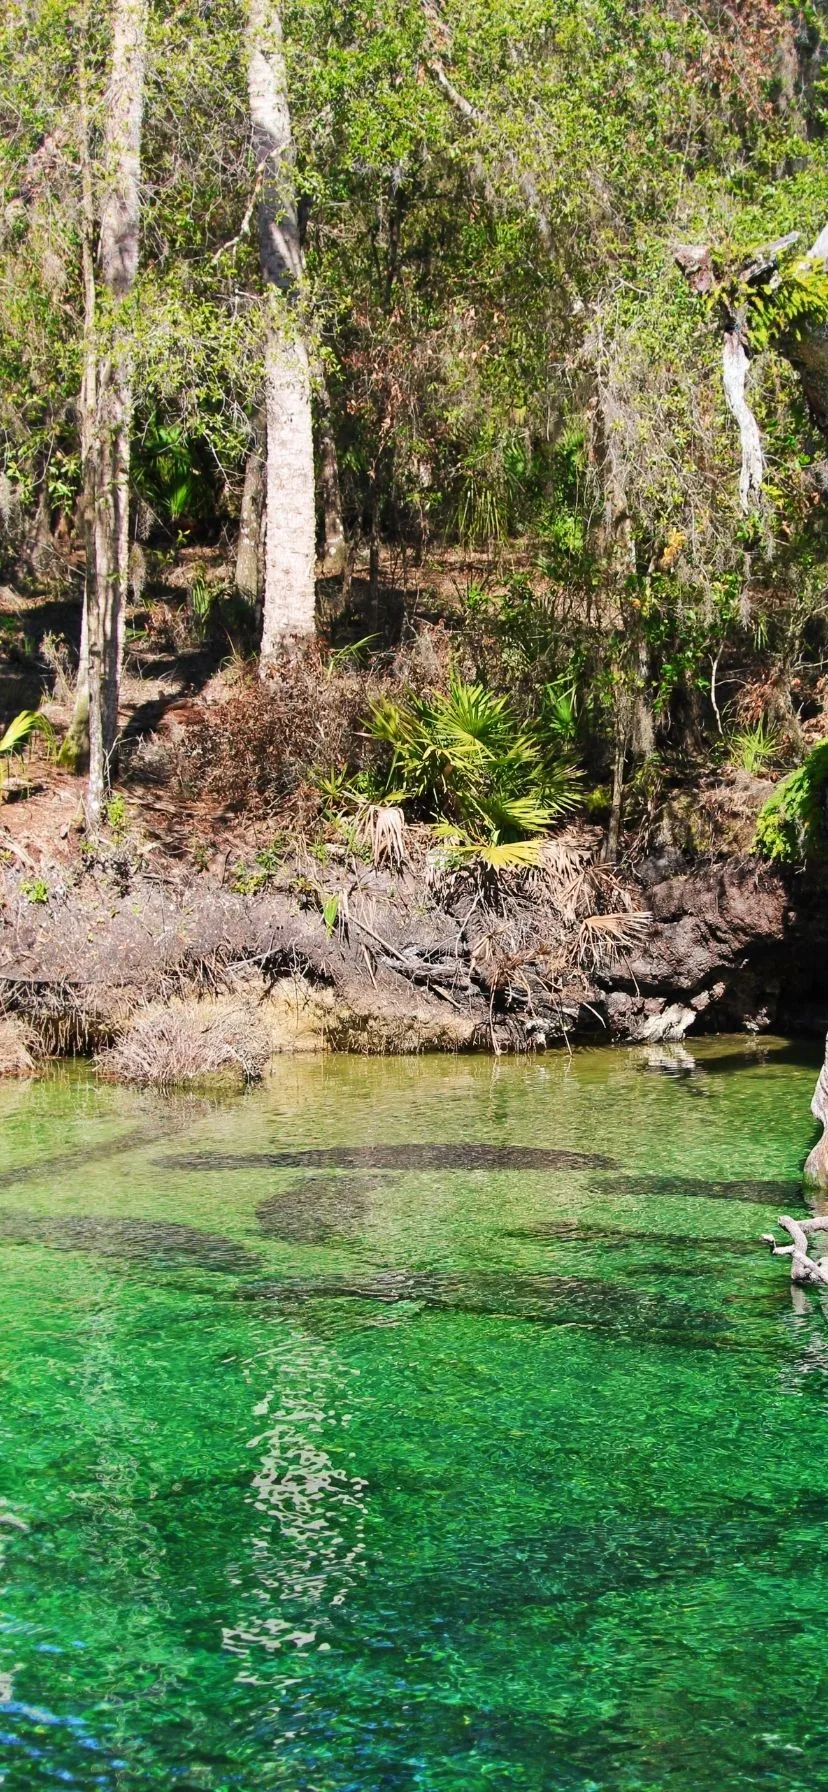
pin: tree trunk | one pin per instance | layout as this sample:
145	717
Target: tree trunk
109	450
612	844
249	566
290	538
335	550
74	752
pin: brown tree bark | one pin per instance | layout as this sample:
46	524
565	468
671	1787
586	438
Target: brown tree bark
249	559
334	547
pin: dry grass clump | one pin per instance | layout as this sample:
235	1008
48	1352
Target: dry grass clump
15	1059
187	1042
255	748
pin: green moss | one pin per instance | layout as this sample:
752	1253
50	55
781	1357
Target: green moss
791	828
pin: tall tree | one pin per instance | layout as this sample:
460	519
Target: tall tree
290	533
109	429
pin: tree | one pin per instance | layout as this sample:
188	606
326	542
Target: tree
109	406
290	529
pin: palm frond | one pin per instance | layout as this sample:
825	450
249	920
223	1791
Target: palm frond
464	757
603	939
21	729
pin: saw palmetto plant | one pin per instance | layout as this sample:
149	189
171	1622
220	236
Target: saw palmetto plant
464	760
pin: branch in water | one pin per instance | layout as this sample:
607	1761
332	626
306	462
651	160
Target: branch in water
805	1270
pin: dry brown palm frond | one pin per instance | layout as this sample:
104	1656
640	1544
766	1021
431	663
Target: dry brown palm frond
603	939
564	874
382	827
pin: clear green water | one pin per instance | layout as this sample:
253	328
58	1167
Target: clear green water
394	1473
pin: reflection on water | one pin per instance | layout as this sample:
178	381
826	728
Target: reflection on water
307	1543
414	1426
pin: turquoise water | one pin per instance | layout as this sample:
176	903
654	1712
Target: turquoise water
335	1454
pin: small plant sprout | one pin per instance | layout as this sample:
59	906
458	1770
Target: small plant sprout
116	816
753	749
330	913
35	890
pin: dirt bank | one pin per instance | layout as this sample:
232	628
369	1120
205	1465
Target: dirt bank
150	967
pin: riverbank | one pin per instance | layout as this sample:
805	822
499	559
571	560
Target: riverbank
162	973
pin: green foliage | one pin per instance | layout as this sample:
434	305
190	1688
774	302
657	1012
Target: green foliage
169	472
116	816
492	297
19	735
796	300
248	880
330	912
35	890
793	824
463	758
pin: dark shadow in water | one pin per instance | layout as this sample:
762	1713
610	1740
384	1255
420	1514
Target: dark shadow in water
770	1195
319	1209
397	1157
156	1241
77	1158
145	1132
572	1232
541	1299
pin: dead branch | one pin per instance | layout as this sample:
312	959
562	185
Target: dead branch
805	1270
805	349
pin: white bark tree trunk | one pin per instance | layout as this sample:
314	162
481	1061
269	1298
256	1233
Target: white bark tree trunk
110	449
75	750
735	366
806	349
290	535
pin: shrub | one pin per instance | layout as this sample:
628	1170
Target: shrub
463	759
183	1042
19	735
253	750
793	823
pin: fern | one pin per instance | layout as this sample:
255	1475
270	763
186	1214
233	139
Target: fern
786	303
